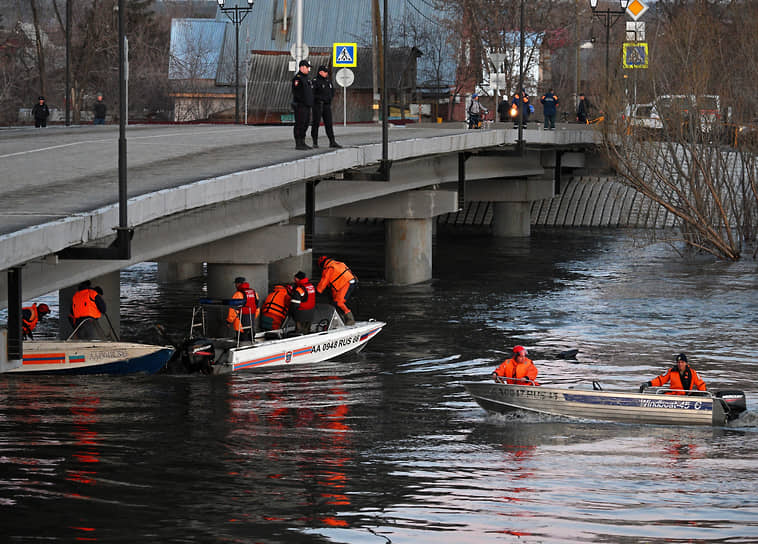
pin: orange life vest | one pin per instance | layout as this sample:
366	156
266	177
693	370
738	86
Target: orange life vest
336	275
276	306
518	373
684	383
83	305
30	324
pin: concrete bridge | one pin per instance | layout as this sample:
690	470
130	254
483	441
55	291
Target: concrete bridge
241	199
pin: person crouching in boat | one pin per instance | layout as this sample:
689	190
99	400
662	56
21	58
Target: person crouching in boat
519	369
680	377
275	308
30	316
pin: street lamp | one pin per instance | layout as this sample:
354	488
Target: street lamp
609	17
236	15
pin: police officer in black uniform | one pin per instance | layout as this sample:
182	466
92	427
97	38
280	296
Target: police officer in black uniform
302	102
323	92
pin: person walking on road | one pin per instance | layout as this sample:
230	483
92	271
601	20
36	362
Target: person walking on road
323	92
40	112
302	103
582	109
549	108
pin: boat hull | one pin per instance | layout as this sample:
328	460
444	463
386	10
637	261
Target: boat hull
658	409
92	357
308	348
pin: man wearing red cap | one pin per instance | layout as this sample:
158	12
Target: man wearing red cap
519	369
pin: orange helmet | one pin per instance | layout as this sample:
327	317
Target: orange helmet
43	309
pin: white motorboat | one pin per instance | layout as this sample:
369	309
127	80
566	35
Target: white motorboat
329	338
654	406
88	357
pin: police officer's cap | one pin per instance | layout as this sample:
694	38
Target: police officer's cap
322	68
305	63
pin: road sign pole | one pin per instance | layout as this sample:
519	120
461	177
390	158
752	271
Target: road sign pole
344	106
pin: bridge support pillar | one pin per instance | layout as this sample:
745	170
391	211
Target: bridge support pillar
511	219
221	278
284	270
111	285
408	250
173	271
409	223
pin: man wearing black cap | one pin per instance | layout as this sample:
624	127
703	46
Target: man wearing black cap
323	92
681	378
41	112
302	102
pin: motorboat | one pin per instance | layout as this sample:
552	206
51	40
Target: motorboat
656	406
329	337
88	357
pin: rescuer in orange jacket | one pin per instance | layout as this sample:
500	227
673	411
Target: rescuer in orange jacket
341	281
275	308
243	315
30	316
518	370
302	303
680	377
87	307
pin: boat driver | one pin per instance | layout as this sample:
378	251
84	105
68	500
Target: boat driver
681	378
518	370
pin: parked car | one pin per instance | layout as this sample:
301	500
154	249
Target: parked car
643	115
685	109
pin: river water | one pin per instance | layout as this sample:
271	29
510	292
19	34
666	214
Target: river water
385	445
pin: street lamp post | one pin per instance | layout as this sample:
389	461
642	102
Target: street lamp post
609	17
236	15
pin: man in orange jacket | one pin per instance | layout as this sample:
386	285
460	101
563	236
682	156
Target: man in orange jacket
680	377
30	316
275	308
519	369
341	281
87	307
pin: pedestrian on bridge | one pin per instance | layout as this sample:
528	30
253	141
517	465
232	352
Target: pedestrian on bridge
40	112
302	103
582	109
549	107
323	92
99	110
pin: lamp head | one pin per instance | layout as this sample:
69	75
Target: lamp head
250	3
593	3
624	4
220	3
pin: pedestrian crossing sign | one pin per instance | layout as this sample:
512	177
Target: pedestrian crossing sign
344	55
635	55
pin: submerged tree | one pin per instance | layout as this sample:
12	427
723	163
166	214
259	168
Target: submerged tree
690	161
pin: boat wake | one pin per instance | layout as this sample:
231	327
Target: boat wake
746	419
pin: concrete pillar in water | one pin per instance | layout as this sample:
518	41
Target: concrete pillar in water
511	219
408	250
111	285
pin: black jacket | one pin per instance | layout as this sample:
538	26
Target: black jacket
323	90
302	92
40	111
99	109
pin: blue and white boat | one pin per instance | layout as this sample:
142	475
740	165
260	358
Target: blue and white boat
654	406
88	357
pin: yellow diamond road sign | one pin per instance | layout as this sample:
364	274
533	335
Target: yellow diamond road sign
636	8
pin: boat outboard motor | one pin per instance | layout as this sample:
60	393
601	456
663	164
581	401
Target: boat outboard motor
198	356
734	401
